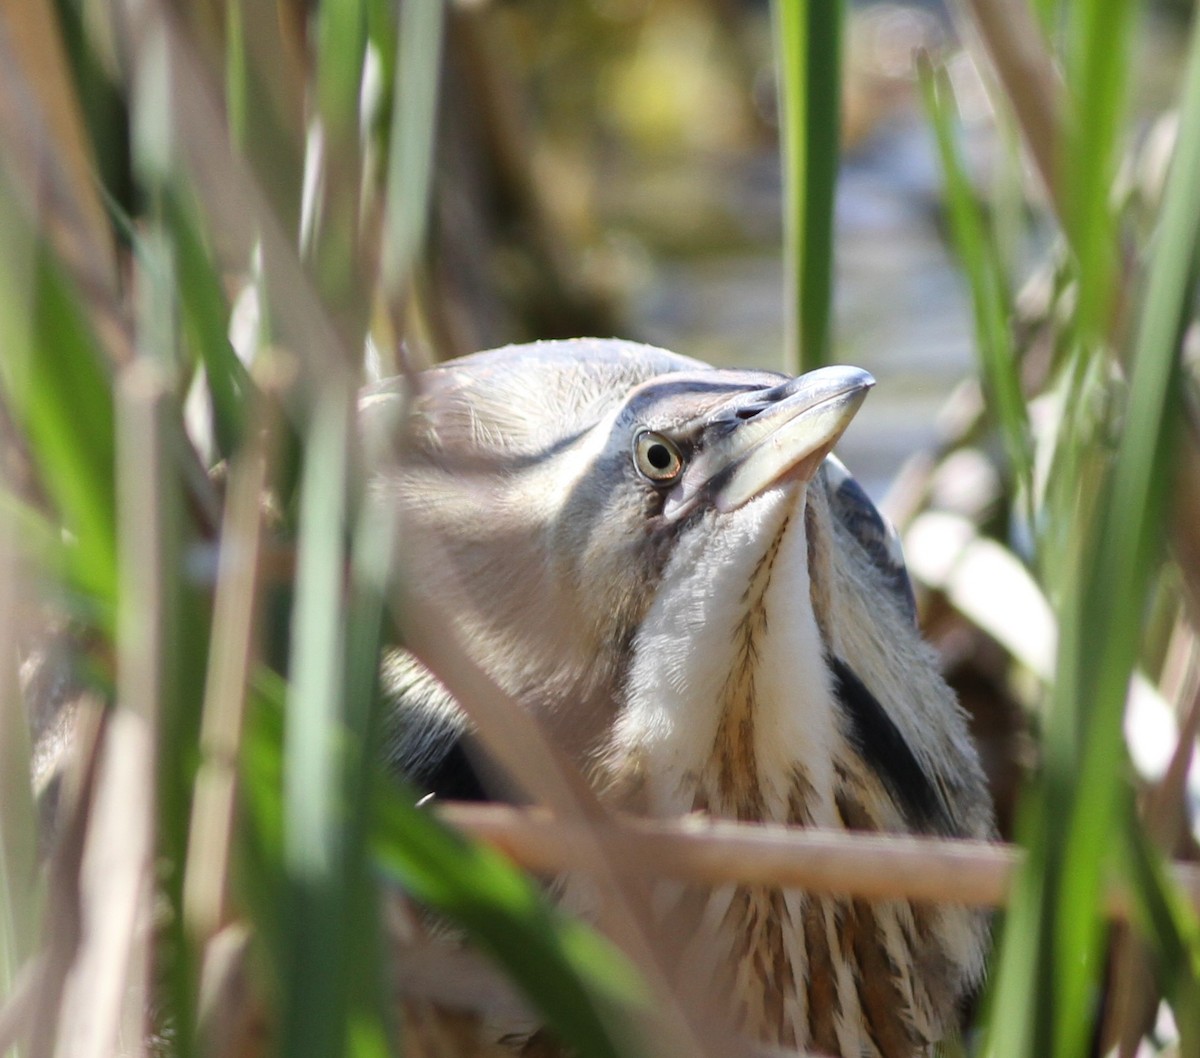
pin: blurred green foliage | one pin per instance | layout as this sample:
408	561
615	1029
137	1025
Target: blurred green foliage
219	218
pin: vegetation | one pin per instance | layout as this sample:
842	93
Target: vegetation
218	219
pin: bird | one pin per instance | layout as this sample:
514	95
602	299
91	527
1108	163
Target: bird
664	562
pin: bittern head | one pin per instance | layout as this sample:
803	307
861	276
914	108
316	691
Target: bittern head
665	563
560	482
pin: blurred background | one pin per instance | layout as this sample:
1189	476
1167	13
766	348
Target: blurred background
218	218
632	185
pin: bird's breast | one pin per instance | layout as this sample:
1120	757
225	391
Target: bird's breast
728	706
730	709
828	975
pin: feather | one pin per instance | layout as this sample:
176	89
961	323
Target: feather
877	536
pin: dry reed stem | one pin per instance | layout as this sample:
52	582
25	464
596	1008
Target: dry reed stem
106	997
1009	37
230	663
39	176
36	56
18	815
19	1009
37	41
1014	46
1133	991
720	852
230	1022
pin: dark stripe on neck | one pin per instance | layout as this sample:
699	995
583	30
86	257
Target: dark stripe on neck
885	751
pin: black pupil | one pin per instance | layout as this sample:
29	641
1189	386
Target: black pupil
659	456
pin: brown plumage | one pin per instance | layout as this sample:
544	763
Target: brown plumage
660	561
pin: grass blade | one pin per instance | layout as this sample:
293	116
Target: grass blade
205	312
573	977
1102	631
979	257
341	39
1098	54
410	155
809	37
314	998
57	386
1131	531
1172	928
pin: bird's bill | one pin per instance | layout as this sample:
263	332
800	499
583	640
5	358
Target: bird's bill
784	434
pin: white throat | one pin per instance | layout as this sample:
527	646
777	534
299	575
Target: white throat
728	704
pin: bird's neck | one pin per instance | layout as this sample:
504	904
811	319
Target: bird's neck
728	706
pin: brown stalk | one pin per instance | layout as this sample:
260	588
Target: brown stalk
711	852
1133	992
18	819
33	42
1008	36
1012	43
230	1023
18	1013
106	997
230	663
41	171
106	993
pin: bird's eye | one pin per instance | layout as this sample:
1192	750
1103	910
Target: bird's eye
657	458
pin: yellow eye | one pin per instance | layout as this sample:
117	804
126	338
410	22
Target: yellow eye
656	457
